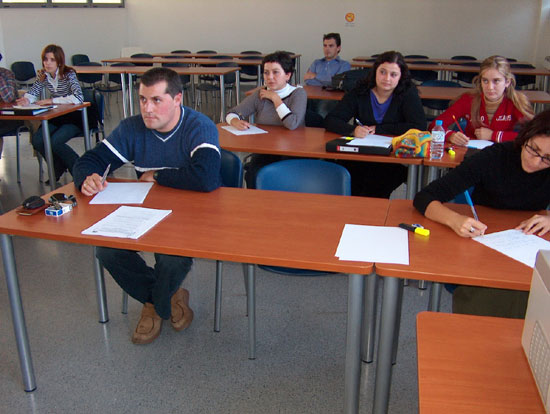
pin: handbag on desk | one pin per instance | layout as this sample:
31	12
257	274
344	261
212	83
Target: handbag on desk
412	144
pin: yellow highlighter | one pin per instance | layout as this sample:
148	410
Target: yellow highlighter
418	230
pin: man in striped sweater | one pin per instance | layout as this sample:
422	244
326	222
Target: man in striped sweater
173	146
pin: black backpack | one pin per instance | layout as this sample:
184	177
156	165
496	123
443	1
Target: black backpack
346	81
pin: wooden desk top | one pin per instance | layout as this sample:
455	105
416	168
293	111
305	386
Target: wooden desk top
192	70
188	60
61	109
231	224
458	68
301	142
445	257
473	364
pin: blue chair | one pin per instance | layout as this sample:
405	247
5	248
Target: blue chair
303	176
231	171
79	59
24	73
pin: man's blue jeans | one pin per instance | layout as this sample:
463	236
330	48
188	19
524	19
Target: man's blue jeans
64	156
143	283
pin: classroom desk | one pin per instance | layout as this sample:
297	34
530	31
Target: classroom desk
44	118
425	92
442	257
237	236
473	364
308	142
544	73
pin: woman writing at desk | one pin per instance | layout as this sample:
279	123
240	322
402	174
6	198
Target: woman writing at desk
513	175
279	103
492	110
386	102
61	82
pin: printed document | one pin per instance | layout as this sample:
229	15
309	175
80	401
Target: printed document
123	193
515	244
378	244
479	143
127	222
252	130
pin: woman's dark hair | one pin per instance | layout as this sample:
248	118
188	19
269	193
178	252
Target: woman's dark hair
59	56
539	125
405	82
282	58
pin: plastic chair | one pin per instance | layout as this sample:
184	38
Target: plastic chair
142	55
249	73
250	52
466	77
304	176
423	75
79	58
416	57
114	83
180	51
523	81
92	79
24	72
185	79
463	57
438	105
206	51
229	82
232	176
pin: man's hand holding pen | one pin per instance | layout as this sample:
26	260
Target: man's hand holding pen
95	183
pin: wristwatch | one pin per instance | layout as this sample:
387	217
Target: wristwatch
156	175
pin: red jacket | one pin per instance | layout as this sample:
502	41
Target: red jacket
504	120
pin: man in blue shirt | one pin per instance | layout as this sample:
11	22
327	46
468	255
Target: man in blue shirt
170	145
321	71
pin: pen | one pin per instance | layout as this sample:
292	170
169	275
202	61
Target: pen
358	122
458	125
104	176
470	202
418	230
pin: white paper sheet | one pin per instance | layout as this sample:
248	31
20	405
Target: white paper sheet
515	244
252	130
372	141
127	222
479	143
374	244
123	193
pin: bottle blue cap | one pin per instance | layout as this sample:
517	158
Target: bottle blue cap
439	122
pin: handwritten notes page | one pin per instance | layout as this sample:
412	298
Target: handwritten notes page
374	244
127	222
515	244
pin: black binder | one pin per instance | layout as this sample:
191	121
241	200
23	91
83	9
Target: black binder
342	145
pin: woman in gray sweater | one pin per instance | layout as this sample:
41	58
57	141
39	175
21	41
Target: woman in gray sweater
279	103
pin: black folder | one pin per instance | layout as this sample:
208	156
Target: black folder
342	145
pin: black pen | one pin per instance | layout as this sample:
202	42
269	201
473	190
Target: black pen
418	230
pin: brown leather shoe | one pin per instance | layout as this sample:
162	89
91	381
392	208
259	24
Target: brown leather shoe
182	315
148	327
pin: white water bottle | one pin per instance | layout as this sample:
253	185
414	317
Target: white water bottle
438	141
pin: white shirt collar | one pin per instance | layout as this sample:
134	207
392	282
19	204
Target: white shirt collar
287	90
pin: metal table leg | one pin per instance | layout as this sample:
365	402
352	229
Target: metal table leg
390	312
369	319
131	93
353	344
48	153
412	178
87	140
238	88
18	317
222	98
124	88
435	297
100	289
251	309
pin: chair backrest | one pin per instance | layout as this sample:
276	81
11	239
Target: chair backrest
206	51
79	58
231	169
463	57
96	111
251	71
89	77
305	176
250	52
221	57
23	70
438	104
115	78
143	55
180	51
416	57
230	78
185	79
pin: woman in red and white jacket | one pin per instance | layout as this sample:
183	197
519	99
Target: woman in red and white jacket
492	110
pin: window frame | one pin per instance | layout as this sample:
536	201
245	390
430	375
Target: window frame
90	4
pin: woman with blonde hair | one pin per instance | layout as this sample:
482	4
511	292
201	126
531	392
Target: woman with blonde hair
492	110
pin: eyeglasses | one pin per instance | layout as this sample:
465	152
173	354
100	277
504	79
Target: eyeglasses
533	152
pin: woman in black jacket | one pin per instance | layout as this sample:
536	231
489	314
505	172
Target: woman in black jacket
386	102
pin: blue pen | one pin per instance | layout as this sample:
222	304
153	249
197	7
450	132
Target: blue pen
471	204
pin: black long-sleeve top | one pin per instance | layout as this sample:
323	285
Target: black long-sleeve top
498	178
405	112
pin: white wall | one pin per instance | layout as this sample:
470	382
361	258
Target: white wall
438	28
